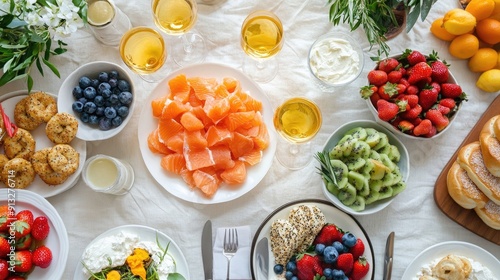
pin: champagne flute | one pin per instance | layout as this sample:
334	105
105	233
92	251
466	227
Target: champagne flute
143	51
261	40
177	17
297	121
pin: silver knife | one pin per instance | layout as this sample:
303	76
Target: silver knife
388	259
207	250
262	253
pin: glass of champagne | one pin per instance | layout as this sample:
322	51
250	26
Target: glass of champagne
143	51
297	120
261	40
177	17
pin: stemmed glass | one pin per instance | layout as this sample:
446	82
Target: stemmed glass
297	120
177	17
143	51
261	40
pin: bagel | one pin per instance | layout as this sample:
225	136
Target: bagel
41	106
64	159
463	190
490	214
470	158
490	146
21	145
62	128
22	118
18	173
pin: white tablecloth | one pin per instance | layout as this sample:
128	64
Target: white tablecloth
414	216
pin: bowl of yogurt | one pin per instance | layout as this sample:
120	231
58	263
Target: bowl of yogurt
335	59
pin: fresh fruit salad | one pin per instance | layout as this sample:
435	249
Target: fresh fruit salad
413	93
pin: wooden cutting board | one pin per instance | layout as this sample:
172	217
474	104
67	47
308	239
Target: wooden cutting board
465	217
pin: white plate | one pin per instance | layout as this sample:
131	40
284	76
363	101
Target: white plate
146	234
333	215
9	102
452	247
57	240
174	184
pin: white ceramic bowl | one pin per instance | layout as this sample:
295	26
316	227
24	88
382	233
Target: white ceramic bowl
398	132
403	164
335	59
57	240
86	131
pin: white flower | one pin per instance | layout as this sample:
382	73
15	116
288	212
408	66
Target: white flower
4	7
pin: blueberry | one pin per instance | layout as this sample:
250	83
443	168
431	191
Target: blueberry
339	247
116	91
100	111
113	74
319	248
89	107
105	124
113	82
110	112
85	117
95	83
99	101
114	99
103	77
77	106
117	121
89	93
278	269
338	274
103	86
328	273
330	254
125	98
123	85
106	93
348	239
83	100
93	119
294	278
288	275
122	111
84	82
77	92
291	266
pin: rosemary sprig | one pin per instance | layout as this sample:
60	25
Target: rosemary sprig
326	169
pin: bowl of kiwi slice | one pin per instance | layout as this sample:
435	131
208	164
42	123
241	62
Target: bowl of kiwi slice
363	167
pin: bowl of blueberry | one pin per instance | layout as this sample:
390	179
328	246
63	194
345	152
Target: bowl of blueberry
101	95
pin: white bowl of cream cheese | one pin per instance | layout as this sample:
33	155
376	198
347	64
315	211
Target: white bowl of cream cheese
335	59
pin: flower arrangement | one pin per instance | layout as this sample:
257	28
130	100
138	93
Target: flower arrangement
28	29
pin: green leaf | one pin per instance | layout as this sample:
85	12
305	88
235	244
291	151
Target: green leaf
29	82
52	67
8	46
7	64
39	66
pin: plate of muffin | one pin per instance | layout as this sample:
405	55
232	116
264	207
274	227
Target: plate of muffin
43	155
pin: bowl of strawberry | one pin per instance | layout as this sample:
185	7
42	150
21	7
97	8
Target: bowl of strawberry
413	94
33	240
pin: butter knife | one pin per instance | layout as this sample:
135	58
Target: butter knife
388	258
262	253
207	250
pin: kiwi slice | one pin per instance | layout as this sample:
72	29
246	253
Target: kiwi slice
385	149
374	155
365	190
372	136
360	149
367	168
358	204
357	180
357	132
375	185
347	195
387	162
371	197
398	187
394	153
378	171
354	163
340	171
388	179
336	152
384	140
385	192
332	188
397	175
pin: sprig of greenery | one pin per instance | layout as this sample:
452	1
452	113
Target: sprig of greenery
326	168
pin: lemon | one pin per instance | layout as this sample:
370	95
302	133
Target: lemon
484	59
489	81
458	21
438	30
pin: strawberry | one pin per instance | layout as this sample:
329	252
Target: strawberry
377	77
6	216
15	277
26	216
422	128
4	247
328	234
4	269
308	267
431	133
42	256
21	229
358	249
23	262
387	65
449	90
24	242
387	91
405	126
345	262
414	57
387	110
419	72
374	98
440	72
413	113
427	98
359	269
411	99
394	76
412	90
436	86
400	88
443	109
368	91
438	120
448	102
41	228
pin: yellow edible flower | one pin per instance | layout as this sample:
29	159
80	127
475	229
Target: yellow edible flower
136	262
113	275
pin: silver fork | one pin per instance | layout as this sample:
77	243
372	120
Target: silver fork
230	246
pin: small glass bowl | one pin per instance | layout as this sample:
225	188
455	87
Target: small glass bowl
335	59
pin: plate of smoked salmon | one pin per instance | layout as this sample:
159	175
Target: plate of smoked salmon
206	133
